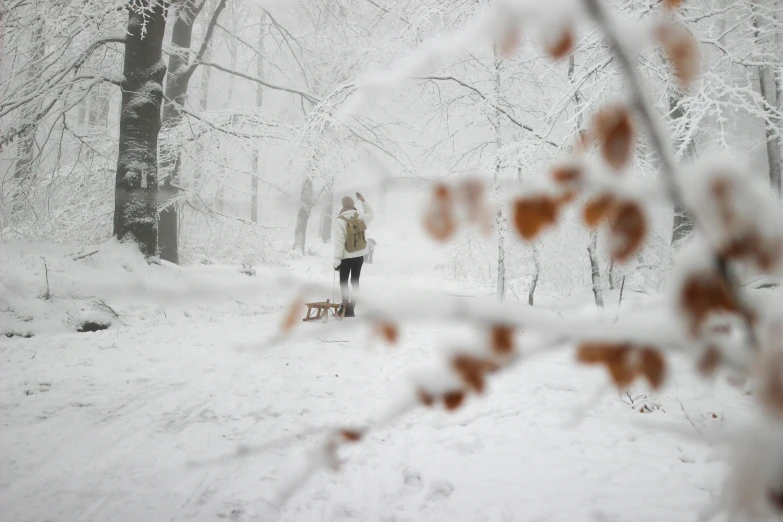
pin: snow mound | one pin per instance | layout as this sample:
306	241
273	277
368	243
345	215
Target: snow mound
50	288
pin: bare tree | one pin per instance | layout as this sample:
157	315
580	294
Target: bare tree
25	148
136	185
180	72
769	95
259	102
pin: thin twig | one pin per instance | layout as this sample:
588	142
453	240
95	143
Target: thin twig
85	255
47	295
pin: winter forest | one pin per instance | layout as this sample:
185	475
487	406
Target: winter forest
391	260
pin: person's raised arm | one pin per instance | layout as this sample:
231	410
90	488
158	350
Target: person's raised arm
368	213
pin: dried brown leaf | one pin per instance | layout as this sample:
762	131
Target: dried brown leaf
502	340
533	214
597	209
615	133
351	435
453	399
472	370
594	352
442	193
682	50
612	355
628	230
561	46
709	361
472	194
771	383
672	4
702	295
388	331
508	42
439	222
619	368
750	247
426	398
653	366
567	175
290	319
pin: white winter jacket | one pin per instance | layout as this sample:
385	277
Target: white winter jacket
340	232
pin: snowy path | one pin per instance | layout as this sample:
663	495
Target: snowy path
101	427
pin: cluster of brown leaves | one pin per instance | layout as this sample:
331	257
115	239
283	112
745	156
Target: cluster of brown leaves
472	370
703	295
468	199
532	214
625	362
681	49
613	129
558	43
613	132
741	238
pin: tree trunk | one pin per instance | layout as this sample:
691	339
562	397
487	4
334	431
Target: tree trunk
305	205
327	214
767	88
592	254
136	184
25	148
611	275
259	103
500	221
221	189
595	271
177	81
97	115
501	227
774	143
203	103
682	224
537	265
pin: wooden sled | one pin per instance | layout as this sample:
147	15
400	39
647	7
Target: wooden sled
322	311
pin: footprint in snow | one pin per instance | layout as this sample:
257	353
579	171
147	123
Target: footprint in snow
412	479
231	512
440	490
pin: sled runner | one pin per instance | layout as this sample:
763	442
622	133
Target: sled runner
322	311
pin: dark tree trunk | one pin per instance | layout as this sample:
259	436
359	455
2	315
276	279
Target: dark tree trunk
136	185
682	224
177	81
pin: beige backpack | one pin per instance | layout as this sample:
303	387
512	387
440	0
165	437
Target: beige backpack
354	233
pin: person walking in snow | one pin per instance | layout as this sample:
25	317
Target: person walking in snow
350	247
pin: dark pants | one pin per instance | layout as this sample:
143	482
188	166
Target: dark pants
351	267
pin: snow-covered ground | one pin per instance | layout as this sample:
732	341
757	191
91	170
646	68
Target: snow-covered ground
143	421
